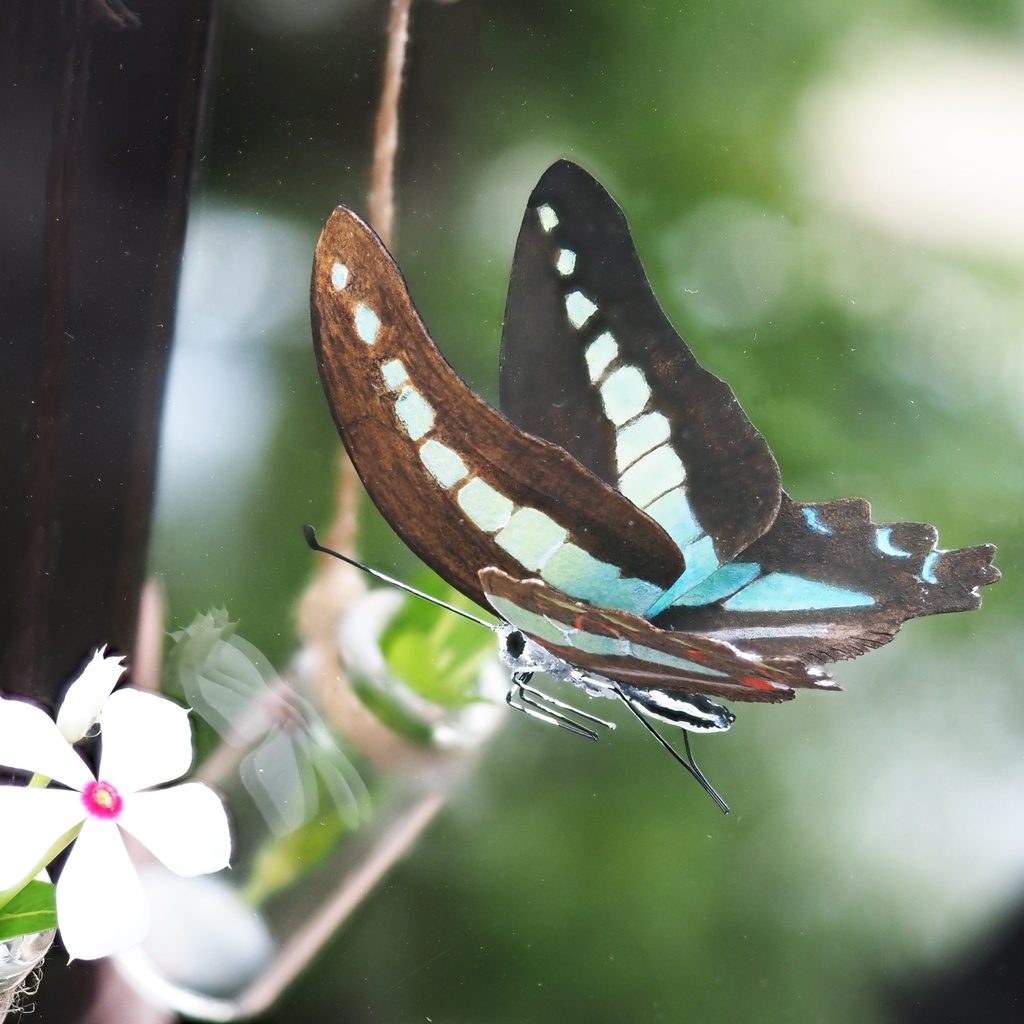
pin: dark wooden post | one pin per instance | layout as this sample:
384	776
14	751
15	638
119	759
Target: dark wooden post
99	117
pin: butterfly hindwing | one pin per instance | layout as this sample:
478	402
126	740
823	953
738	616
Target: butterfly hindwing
628	649
827	583
820	582
461	485
591	363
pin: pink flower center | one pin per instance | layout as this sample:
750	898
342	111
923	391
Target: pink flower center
102	800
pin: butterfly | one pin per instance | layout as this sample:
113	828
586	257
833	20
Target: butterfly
620	514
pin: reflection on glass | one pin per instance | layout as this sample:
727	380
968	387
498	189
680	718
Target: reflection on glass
321	809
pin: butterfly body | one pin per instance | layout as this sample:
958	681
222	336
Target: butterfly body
621	513
691	711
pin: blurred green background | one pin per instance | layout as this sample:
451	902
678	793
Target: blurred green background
829	200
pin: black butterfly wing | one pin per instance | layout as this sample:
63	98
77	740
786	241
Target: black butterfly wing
461	485
817	581
591	363
629	649
826	583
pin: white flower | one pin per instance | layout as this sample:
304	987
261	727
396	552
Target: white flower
101	908
83	703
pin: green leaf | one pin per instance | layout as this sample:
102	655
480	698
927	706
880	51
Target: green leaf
34	909
391	713
437	654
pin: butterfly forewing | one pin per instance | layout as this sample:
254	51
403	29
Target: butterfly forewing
591	363
461	484
627	648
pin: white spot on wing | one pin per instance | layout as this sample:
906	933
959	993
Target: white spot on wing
367	323
488	508
548	217
579	308
639	437
651	476
566	262
765	632
394	373
339	275
599	353
624	394
531	537
443	464
415	412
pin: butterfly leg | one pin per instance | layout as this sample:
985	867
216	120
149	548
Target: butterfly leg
533	702
578	712
687	762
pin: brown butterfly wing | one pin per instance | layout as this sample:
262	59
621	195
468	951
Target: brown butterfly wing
461	485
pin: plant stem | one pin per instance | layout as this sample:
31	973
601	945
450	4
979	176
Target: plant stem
337	585
385	142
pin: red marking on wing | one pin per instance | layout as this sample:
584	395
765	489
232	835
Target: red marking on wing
757	683
594	626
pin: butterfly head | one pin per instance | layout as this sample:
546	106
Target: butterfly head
524	656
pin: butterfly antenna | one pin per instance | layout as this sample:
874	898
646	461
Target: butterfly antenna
687	762
310	534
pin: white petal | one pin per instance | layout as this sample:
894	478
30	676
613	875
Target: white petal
146	740
30	740
185	827
83	703
34	819
101	907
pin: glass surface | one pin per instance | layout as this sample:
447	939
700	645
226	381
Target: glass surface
827	200
19	957
323	798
